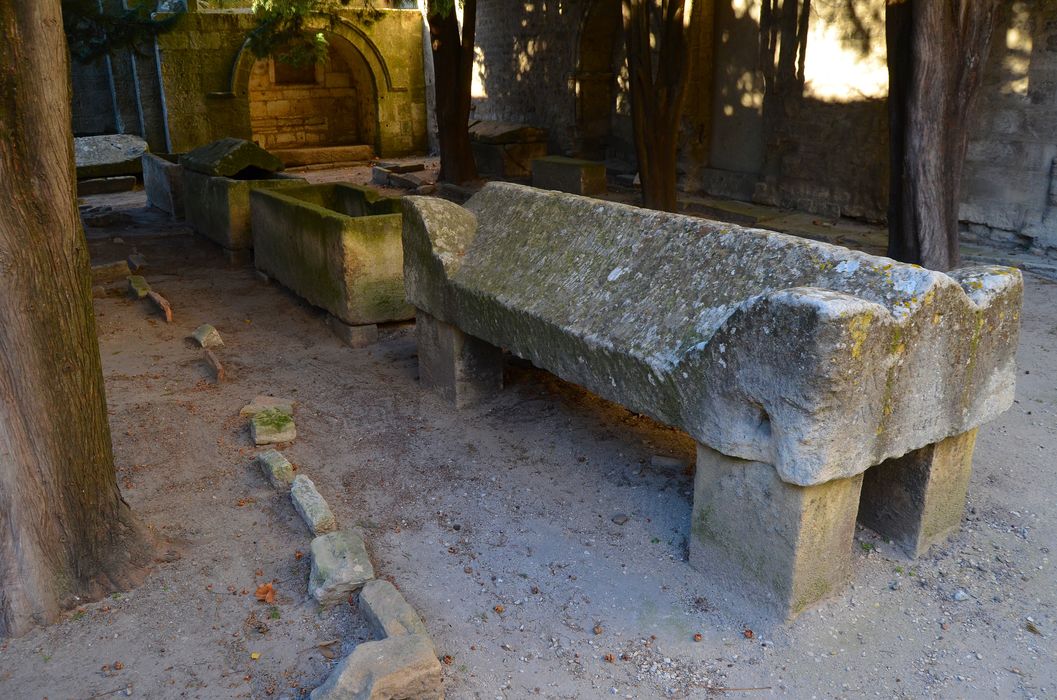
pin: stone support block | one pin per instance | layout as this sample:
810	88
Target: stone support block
403	667
311	506
787	545
353	336
340	567
388	613
573	175
918	499
461	368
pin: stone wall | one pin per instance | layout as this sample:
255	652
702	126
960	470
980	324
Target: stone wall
329	104
1008	185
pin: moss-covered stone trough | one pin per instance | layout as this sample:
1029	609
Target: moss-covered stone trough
335	245
217	181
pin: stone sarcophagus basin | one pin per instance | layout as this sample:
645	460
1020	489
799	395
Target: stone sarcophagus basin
217	181
335	245
822	385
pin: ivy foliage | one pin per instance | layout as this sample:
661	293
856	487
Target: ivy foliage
92	32
281	28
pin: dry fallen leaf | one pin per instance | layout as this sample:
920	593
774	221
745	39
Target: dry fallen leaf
499	609
255	655
608	658
448	660
748	634
298	554
265	593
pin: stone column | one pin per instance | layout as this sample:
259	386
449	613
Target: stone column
461	368
917	500
783	545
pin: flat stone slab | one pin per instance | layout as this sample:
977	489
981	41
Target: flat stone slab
110	272
403	667
272	426
276	468
340	567
262	403
819	360
108	156
495	132
209	337
388	613
311	506
229	157
106	185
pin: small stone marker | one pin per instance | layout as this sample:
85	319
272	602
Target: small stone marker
262	403
276	468
387	612
353	336
340	566
272	425
137	287
207	336
162	304
136	262
311	506
218	368
397	667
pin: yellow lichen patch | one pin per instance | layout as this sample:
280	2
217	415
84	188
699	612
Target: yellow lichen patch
859	328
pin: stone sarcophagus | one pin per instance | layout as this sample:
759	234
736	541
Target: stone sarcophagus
822	385
338	247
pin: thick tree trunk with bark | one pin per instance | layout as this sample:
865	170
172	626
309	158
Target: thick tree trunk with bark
658	71
936	55
66	535
453	70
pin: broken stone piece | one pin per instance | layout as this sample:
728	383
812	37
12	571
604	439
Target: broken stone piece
340	566
388	613
207	336
138	287
162	304
110	272
311	506
137	261
276	468
228	157
261	403
396	667
271	425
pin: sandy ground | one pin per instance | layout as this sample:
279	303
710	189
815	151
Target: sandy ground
498	525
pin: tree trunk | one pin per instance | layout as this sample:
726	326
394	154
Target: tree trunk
66	535
658	70
936	55
453	71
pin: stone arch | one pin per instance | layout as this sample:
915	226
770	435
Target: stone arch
355	48
596	77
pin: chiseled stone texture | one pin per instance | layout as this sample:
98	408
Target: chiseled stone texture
272	426
404	667
276	468
311	506
817	359
340	566
388	613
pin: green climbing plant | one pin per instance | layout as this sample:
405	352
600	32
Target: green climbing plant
281	28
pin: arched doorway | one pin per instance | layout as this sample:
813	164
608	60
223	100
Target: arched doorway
596	78
333	103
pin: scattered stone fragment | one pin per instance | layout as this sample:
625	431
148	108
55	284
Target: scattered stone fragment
387	612
262	403
272	425
312	508
340	566
620	518
162	304
207	336
110	272
214	362
276	468
137	261
397	667
960	595
137	287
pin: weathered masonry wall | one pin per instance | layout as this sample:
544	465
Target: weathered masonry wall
1009	190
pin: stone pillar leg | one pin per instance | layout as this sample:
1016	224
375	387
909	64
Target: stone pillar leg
461	368
918	499
784	545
